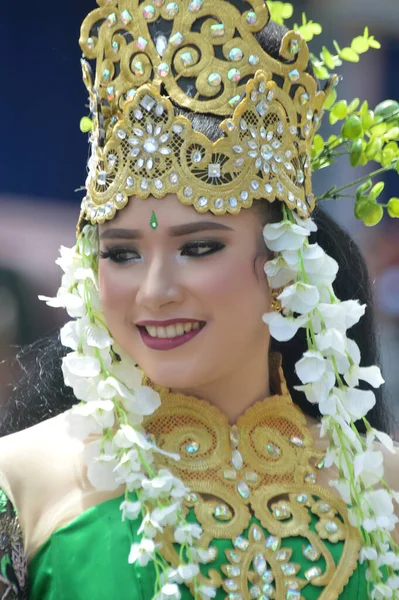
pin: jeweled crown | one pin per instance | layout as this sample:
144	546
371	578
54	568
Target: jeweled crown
201	55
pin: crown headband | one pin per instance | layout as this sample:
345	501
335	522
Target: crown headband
196	54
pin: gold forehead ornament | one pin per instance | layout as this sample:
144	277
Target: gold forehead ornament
199	55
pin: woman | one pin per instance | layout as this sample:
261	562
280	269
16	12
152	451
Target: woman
222	492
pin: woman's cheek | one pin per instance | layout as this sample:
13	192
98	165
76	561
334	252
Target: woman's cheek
113	290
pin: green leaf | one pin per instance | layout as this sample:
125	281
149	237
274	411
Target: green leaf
328	58
330	100
340	110
373	215
288	10
321	72
360	45
353	105
349	55
393	208
352	128
374	44
356	152
377	190
365	187
374	146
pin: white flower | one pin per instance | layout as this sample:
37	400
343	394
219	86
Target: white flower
187	572
352	350
357	402
128	436
282	328
73	304
169	591
68	257
127	372
331	342
381	592
83	274
102	411
144	402
378	505
142	553
206	592
311	367
149	526
367	553
382	437
393	582
279	273
299	298
308	223
130	510
370	374
284	236
98	337
100	467
202	556
370	467
162	484
313	257
85	389
318	391
340	315
78	365
167	515
343	488
179	490
326	273
186	532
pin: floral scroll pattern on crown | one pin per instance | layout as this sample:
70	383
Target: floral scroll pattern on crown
141	148
153	152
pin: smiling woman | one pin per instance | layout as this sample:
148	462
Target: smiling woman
181	466
198	272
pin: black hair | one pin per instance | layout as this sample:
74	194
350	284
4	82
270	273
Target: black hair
41	392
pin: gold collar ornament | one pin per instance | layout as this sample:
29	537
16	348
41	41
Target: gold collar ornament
265	467
201	55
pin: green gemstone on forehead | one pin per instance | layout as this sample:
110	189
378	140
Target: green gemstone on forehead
154	221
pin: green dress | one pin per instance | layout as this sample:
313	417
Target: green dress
87	559
272	530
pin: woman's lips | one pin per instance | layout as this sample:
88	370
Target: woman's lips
156	343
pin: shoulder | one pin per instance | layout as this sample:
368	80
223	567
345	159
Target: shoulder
34	460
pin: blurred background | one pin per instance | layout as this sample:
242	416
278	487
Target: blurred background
43	158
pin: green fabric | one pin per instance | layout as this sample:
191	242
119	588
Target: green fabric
87	560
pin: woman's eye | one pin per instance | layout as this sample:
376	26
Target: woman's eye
119	255
198	249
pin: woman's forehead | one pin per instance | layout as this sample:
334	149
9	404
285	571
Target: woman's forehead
170	212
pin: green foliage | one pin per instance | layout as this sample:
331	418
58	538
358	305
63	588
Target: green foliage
308	29
367	208
280	11
393	208
365	135
327	62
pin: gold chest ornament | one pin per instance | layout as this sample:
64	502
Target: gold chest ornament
265	467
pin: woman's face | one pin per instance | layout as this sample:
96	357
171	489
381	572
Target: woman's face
184	300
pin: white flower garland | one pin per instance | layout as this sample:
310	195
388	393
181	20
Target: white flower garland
114	401
329	371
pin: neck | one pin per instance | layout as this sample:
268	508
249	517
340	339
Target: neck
239	389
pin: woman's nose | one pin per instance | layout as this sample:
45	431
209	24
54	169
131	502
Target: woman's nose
159	286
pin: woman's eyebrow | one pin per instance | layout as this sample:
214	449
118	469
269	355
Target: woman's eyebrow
174	231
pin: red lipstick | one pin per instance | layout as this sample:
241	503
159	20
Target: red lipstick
167	343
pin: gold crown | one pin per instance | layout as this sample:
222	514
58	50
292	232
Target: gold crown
201	55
